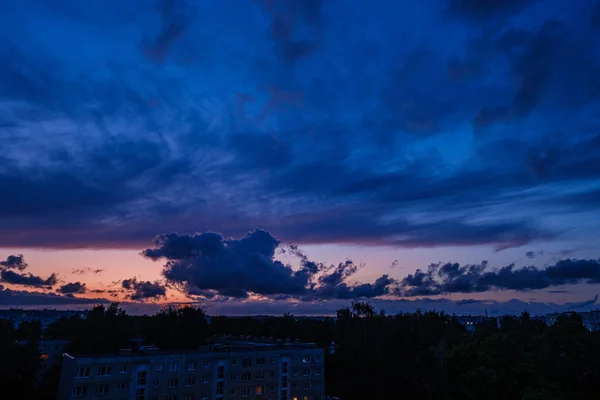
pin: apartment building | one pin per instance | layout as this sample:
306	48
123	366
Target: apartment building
227	370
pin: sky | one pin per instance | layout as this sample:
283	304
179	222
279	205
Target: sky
268	156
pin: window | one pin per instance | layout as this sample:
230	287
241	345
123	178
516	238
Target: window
260	390
104	371
188	396
220	388
120	386
247	392
317	384
102	388
154	398
159	367
220	372
232	392
173	382
306	398
140	394
295	359
272	360
205	379
260	376
284	382
203	395
206	364
191	366
295	371
232	377
83	372
283	395
318	371
156	383
142	378
272	387
318	358
306	385
190	381
234	362
246	362
306	372
79	391
260	361
318	397
284	367
306	359
294	386
173	366
172	397
272	374
123	369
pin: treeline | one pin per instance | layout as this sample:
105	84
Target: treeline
376	356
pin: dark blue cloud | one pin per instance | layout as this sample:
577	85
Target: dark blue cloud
203	265
27	279
143	290
449	278
72	288
14	262
305	118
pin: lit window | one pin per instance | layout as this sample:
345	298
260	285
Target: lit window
306	398
83	372
44	357
260	390
79	391
104	371
102	388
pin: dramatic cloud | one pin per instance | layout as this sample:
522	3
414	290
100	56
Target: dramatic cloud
203	265
455	278
28	279
144	290
14	262
479	130
73	288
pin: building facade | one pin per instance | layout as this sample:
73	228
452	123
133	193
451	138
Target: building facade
248	371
